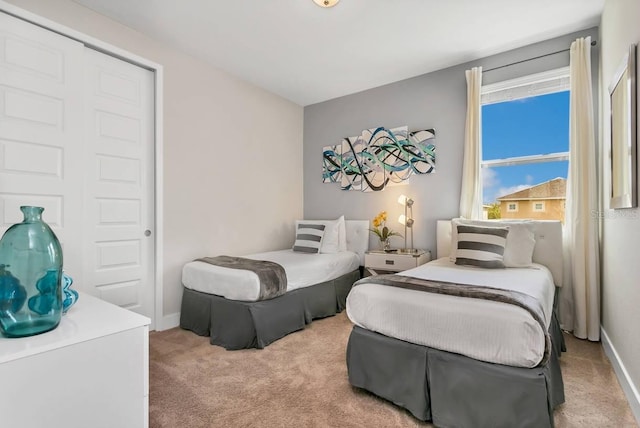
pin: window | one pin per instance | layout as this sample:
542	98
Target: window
538	207
525	143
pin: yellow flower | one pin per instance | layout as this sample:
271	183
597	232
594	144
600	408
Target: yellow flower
382	232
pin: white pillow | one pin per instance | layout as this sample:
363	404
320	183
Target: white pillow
521	242
331	238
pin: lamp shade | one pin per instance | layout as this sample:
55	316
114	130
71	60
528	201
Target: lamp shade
405	221
405	201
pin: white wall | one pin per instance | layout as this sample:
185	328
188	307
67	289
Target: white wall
620	244
232	152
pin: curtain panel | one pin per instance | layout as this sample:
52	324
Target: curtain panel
582	264
471	190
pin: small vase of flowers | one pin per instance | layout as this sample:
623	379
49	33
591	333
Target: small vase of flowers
382	231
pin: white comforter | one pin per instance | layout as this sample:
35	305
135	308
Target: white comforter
485	330
302	270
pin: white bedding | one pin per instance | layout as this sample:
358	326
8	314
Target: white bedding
485	330
302	270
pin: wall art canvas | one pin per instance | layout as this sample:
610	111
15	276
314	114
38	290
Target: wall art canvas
423	160
332	164
351	158
380	157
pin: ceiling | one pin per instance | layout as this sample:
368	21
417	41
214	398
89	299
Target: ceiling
308	54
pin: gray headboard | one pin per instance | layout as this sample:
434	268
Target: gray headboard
358	237
548	250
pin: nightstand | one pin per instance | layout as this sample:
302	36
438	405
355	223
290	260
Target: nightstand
381	262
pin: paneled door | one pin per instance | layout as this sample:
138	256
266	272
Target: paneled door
76	137
40	141
119	182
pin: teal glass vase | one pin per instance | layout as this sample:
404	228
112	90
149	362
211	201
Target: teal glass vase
30	277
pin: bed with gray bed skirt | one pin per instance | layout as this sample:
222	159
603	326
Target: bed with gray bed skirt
234	324
453	390
238	324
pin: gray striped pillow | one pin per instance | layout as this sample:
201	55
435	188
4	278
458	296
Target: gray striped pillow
481	246
309	238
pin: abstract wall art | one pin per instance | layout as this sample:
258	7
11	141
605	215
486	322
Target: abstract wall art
379	157
331	164
351	177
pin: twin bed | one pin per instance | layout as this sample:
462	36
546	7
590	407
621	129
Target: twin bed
464	362
486	361
222	303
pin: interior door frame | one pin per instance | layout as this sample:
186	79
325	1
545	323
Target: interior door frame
158	322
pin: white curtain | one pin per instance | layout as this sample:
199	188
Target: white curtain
581	226
471	191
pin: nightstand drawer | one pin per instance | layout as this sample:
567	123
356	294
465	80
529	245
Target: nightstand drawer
392	262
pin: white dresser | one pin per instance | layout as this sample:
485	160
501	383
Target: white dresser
91	371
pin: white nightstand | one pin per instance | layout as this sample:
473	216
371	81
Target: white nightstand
381	262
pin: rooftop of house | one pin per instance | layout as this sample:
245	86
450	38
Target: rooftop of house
552	189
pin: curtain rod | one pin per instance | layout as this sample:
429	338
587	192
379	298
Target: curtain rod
593	43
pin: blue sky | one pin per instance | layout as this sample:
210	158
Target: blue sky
535	125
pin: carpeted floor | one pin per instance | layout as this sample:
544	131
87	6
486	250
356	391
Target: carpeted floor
301	381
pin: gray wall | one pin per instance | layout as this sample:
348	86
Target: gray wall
435	100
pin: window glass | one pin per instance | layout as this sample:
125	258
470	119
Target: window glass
525	144
528	126
498	181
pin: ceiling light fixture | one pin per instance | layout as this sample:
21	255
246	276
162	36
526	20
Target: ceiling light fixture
326	3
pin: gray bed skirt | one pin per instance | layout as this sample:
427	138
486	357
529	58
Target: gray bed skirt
452	390
234	324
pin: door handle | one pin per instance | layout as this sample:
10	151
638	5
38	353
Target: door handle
147	232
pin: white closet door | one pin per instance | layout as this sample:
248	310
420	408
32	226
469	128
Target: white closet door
119	182
41	159
76	137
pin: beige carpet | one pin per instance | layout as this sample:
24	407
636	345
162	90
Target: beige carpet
301	381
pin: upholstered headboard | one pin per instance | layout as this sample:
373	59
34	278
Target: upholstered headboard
358	237
548	249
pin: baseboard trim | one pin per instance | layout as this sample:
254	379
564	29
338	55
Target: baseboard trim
169	321
627	384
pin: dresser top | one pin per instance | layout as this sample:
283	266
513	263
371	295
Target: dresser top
90	318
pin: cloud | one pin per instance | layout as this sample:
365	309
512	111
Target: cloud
503	191
489	178
491	189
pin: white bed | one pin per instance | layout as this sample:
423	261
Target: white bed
303	270
434	319
462	361
222	302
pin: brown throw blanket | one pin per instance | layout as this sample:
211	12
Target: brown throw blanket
517	298
273	278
